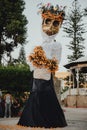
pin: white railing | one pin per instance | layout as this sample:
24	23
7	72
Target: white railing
73	91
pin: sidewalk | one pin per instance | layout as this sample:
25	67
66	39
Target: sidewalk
76	119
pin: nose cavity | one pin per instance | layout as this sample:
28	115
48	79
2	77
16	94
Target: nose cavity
51	25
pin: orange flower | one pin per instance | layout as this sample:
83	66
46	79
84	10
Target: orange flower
38	59
52	65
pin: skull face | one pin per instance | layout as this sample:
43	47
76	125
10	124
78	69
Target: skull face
50	26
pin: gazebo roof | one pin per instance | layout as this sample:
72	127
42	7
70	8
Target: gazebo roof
81	61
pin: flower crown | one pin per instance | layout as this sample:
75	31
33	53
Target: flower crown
52	12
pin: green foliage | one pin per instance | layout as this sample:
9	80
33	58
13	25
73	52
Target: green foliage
12	25
16	79
74	27
64	90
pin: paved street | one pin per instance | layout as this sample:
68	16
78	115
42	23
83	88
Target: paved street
76	119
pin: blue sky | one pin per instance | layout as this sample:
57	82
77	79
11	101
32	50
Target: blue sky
34	28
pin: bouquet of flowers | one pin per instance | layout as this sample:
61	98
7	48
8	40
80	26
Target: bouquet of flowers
38	59
52	65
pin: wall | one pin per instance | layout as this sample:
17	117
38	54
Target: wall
76	101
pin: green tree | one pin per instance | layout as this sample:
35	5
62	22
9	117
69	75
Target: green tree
85	11
16	79
75	28
12	25
22	57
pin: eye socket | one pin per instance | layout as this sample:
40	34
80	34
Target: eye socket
43	21
55	23
47	21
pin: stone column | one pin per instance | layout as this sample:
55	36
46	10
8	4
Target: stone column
70	83
77	78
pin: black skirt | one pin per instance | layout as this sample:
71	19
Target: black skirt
42	108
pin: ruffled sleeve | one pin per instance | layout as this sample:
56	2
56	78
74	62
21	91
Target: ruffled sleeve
28	61
56	51
31	66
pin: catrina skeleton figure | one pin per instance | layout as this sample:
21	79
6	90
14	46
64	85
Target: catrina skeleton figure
42	108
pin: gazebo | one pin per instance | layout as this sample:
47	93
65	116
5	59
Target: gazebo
77	68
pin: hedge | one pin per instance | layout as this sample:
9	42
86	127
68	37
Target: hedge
17	79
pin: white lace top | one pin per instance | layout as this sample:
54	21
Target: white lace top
52	49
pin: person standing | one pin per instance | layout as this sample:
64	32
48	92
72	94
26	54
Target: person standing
8	103
15	107
1	112
42	108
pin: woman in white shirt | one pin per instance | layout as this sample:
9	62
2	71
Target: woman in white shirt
8	102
